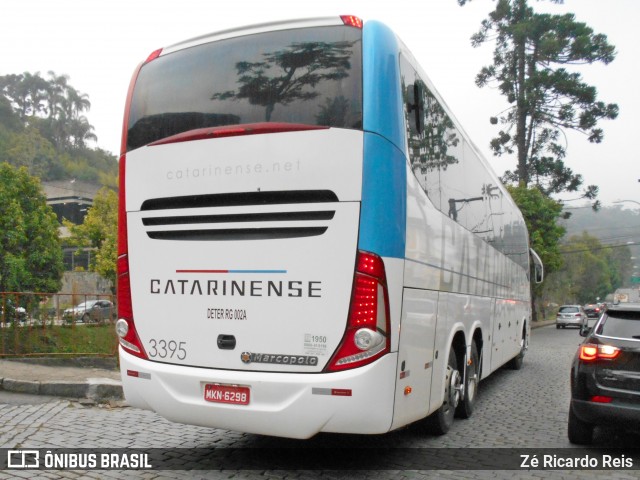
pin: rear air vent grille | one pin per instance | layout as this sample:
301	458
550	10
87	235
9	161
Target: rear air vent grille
240	217
240	199
237	234
217	217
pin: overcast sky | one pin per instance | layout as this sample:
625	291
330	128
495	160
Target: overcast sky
98	43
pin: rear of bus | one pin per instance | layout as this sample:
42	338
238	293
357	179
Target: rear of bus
246	301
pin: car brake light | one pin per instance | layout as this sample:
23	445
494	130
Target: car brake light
601	399
590	352
608	351
368	325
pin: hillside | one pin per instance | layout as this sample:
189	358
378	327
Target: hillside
613	225
43	127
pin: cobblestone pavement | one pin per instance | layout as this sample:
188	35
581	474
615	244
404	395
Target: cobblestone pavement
515	409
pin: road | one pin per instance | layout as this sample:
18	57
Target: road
524	409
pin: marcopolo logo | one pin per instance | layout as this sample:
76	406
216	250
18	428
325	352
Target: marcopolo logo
279	359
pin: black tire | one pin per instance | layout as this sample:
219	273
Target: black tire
440	421
580	433
557	327
516	362
472	378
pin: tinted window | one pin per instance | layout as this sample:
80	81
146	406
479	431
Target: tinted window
450	171
311	76
569	310
620	325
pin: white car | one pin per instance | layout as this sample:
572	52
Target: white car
571	316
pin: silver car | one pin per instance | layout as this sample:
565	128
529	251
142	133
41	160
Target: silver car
571	316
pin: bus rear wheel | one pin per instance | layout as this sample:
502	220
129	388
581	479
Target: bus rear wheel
440	421
516	362
472	378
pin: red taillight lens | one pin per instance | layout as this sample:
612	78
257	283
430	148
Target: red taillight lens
601	399
364	305
368	325
589	352
608	352
128	336
153	55
352	21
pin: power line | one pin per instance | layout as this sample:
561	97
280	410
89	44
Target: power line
598	248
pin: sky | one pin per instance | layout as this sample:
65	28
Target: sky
99	43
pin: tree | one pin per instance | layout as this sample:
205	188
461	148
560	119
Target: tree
30	251
541	215
100	231
591	271
31	150
53	106
42	128
283	75
545	99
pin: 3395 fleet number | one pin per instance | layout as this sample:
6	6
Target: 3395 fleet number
167	349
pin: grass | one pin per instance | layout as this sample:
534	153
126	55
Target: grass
47	339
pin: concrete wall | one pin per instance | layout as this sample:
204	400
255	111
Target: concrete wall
84	283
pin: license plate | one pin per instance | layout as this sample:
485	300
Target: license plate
233	394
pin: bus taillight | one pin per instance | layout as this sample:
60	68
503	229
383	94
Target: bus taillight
352	21
367	335
125	327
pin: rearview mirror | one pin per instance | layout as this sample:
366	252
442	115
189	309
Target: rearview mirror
415	105
538	267
585	331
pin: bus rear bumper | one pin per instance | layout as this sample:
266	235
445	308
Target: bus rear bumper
281	404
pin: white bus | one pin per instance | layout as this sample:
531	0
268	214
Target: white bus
308	241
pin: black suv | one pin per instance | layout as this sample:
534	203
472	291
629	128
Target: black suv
592	310
605	375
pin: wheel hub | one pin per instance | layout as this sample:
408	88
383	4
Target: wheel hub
456	388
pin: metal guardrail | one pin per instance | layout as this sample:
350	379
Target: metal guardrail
46	324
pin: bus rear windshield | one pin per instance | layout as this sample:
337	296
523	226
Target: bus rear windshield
308	76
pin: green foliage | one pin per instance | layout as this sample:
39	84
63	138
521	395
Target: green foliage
613	226
100	231
43	128
590	271
67	339
531	52
541	215
30	251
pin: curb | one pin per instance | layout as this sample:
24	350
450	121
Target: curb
96	389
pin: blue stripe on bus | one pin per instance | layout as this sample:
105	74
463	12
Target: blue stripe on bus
383	214
382	95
